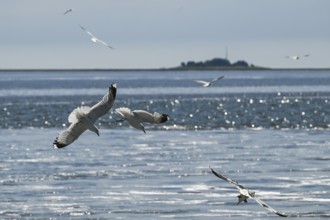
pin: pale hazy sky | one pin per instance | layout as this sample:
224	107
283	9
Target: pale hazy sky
163	33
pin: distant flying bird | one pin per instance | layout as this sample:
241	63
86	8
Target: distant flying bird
208	83
245	194
95	39
68	11
84	117
136	118
297	57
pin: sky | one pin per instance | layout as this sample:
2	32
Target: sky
35	34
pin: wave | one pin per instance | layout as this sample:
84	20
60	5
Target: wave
153	91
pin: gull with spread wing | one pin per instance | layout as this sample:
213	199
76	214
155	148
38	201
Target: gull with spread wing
95	39
136	118
84	117
208	83
68	11
246	194
297	57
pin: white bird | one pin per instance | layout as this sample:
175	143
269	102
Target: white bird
84	117
68	11
208	83
297	57
95	39
245	194
136	117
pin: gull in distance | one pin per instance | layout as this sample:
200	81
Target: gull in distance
297	57
84	117
246	194
136	118
94	38
208	83
68	11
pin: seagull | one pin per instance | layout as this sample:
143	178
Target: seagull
297	57
208	84
246	194
68	11
84	117
95	39
136	117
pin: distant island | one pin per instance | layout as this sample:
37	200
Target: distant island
215	64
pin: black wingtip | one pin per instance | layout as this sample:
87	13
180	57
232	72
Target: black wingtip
216	174
58	145
164	118
281	214
212	171
113	90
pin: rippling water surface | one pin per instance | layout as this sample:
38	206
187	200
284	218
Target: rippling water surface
269	130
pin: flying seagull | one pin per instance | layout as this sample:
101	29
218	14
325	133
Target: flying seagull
68	11
297	57
209	83
84	117
95	39
136	117
245	194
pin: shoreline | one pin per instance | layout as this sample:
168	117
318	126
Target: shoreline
161	69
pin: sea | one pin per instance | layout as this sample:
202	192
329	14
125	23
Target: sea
268	130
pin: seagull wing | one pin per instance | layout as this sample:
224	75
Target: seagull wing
103	106
104	43
124	112
144	116
69	135
202	82
238	186
87	32
293	57
160	118
266	206
217	79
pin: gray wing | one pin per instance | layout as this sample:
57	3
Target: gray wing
69	135
201	82
144	116
87	32
103	106
238	186
217	79
266	206
104	43
124	112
